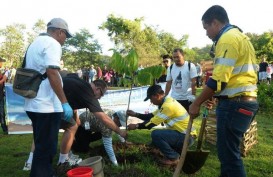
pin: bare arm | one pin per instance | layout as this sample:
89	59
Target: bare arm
193	84
206	94
168	87
4	78
77	118
109	123
56	83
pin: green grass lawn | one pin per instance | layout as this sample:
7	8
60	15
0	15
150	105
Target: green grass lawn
14	150
258	162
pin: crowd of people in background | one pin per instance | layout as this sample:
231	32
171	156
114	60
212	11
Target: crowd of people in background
66	95
265	73
89	74
10	72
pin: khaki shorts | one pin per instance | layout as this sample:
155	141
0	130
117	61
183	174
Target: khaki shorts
67	124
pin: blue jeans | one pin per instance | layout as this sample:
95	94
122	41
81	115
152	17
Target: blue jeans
45	135
233	120
169	142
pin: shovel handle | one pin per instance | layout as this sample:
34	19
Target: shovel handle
184	150
202	129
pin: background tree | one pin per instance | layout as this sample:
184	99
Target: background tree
127	34
190	55
38	28
81	50
146	40
202	53
263	44
12	48
168	42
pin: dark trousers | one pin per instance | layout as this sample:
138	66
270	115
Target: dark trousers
233	120
185	103
45	135
2	116
169	142
83	138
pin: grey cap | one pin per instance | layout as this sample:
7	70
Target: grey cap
122	117
59	23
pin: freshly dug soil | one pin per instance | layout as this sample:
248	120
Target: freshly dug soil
127	155
131	172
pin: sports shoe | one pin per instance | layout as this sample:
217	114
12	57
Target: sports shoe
73	156
73	162
27	166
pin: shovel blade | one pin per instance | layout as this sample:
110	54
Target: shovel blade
194	161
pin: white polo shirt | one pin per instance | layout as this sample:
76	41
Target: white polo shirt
43	52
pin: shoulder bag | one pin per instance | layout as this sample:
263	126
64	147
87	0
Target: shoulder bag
27	81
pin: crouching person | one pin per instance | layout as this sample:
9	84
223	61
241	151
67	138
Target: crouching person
92	129
175	117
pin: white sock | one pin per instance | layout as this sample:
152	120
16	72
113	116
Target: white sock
62	158
30	157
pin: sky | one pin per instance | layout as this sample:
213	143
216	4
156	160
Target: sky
178	17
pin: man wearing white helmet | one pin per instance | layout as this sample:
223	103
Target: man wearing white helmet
93	129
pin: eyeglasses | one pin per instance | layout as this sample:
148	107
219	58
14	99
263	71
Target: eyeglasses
64	31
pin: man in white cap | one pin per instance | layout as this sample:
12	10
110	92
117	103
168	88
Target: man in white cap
45	110
93	129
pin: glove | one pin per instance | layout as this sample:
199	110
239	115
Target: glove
68	112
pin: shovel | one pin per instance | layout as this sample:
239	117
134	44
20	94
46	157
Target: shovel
196	159
184	150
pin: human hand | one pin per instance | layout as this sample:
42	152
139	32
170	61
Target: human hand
123	134
194	110
132	126
210	103
68	112
131	113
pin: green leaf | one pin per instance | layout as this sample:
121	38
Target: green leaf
145	78
132	61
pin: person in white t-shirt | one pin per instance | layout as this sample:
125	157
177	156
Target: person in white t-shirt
46	109
181	78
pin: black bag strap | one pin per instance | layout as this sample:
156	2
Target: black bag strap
189	65
44	76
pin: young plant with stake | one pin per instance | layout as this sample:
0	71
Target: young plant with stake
127	66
